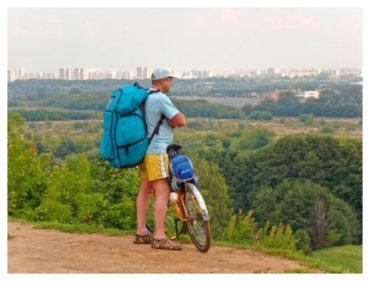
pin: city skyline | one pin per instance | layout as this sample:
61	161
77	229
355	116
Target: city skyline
184	39
144	72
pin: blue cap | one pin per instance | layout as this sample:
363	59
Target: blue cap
162	72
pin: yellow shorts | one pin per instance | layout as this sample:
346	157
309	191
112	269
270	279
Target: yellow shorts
154	167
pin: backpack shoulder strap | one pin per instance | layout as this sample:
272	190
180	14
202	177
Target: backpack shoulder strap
156	129
160	121
152	91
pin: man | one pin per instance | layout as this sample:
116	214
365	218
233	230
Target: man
154	170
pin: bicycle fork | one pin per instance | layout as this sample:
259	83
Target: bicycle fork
181	216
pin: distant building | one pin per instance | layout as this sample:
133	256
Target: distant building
128	75
15	74
65	73
95	74
49	75
254	94
332	72
12	75
272	71
271	95
307	94
84	73
201	74
208	85
143	72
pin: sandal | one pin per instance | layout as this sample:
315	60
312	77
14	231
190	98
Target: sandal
165	244
143	239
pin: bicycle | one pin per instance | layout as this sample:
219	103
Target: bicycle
189	212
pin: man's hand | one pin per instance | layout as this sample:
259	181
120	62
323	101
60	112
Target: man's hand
177	121
171	123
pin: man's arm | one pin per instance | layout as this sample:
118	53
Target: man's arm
177	121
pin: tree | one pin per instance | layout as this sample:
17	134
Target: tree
309	206
27	171
251	140
320	222
288	99
214	190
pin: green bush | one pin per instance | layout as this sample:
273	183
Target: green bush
304	241
52	210
119	216
260	115
241	229
308	119
332	237
327	130
276	237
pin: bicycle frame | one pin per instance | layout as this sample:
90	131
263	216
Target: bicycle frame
180	195
190	210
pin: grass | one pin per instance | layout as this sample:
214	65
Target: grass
349	256
320	259
342	259
75	228
81	228
297	270
291	125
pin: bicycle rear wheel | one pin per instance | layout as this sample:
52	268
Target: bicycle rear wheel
198	223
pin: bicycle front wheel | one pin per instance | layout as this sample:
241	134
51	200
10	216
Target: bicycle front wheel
198	221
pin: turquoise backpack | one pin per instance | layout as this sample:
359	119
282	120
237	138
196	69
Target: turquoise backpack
124	141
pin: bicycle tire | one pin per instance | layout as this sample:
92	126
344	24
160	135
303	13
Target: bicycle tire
169	223
198	221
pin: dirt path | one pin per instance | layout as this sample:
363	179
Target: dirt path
50	251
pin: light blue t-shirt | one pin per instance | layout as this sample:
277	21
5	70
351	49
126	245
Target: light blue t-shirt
156	105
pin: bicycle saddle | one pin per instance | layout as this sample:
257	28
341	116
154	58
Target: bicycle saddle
173	147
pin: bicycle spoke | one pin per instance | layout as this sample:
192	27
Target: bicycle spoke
199	228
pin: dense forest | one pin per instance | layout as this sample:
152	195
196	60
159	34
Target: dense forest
308	184
335	100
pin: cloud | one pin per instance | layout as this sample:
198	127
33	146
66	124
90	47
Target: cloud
229	17
88	31
292	23
17	31
230	21
51	29
305	20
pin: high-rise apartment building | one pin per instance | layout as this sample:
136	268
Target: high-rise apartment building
143	72
15	74
66	73
147	72
95	74
84	73
12	75
139	72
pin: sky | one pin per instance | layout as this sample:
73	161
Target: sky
183	39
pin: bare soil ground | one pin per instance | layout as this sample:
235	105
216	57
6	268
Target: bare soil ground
32	250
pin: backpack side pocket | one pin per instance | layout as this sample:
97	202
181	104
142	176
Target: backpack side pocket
107	143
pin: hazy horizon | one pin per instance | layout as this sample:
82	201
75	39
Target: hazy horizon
184	39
